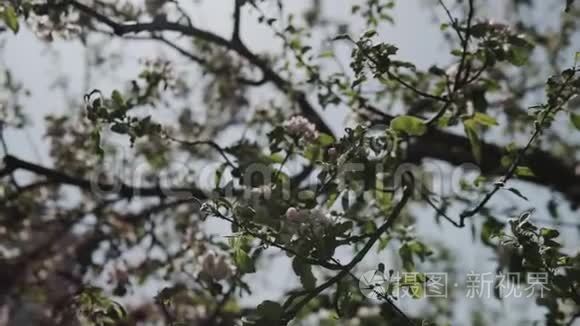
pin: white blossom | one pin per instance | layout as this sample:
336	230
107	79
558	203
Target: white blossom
354	322
317	214
498	27
452	70
574	102
265	191
45	28
366	312
320	217
307	221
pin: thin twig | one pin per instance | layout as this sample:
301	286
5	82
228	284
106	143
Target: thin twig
511	171
291	313
209	143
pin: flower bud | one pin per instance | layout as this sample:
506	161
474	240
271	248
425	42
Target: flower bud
293	215
216	267
574	102
222	269
208	264
332	154
300	127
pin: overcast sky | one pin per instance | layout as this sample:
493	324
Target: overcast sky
36	66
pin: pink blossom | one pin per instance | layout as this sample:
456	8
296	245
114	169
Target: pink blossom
293	215
299	126
217	268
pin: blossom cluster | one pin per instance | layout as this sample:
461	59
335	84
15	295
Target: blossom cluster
316	218
497	27
217	267
46	28
298	126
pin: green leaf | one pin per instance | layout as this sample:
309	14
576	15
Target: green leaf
119	312
485	119
325	139
11	19
341	37
304	271
117	99
480	103
241	258
518	56
407	258
410	249
96	138
471	132
517	193
491	227
575	118
326	54
244	212
244	262
370	33
270	311
549	233
552	243
313	153
120	128
219	173
410	125
524	171
306	195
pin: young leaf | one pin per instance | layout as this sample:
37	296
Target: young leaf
518	56
575	118
524	171
410	125
269	311
241	258
11	19
471	132
485	119
117	99
304	271
549	233
325	139
517	193
244	262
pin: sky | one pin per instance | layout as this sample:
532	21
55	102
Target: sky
37	65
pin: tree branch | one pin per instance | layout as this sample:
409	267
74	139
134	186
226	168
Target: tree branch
539	127
269	74
550	171
13	163
237	20
407	191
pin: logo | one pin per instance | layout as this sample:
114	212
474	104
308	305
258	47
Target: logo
372	285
